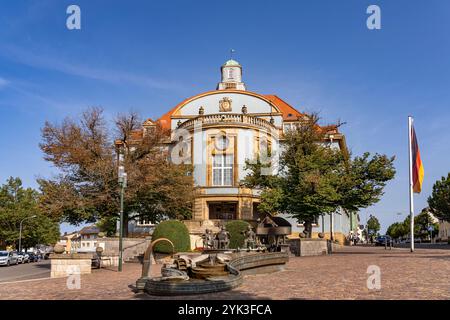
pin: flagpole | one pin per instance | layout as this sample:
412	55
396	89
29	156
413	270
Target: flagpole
411	200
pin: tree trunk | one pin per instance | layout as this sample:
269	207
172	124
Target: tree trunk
307	228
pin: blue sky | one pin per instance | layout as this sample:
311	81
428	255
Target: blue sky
149	55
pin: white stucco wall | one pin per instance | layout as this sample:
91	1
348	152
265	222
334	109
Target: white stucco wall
210	104
245	150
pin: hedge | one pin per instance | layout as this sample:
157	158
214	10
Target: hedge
235	228
174	230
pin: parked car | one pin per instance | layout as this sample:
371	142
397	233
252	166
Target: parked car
19	257
382	240
26	257
33	257
8	258
23	257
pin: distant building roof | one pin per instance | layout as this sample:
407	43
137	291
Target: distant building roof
90	230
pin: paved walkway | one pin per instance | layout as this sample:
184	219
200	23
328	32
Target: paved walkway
424	274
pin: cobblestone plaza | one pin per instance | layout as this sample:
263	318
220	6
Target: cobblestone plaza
424	274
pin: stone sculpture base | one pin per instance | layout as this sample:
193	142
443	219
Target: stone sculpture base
302	247
63	265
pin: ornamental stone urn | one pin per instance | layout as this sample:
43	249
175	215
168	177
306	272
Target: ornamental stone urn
59	249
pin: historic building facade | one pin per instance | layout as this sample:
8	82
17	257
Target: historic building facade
218	131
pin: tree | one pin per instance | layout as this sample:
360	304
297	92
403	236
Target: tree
439	201
18	204
373	225
87	190
317	179
395	230
422	222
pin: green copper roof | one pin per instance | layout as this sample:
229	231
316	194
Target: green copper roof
231	62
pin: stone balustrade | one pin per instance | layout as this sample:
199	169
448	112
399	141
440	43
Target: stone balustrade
228	118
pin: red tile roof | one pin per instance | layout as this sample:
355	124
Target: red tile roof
289	112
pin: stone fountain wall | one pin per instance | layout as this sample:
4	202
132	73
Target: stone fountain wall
63	265
302	247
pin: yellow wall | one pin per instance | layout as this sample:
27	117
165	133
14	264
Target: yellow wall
338	236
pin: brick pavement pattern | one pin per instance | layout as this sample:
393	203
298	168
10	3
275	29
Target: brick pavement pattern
424	274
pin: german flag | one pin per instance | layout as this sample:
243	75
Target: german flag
417	167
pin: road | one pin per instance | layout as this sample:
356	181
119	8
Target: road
34	270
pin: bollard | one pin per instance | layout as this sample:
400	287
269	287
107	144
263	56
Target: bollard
99	251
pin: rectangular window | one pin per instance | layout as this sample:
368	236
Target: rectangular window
222	169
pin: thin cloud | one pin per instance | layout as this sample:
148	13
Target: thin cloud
26	57
3	82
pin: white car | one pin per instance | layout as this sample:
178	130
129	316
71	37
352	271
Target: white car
8	258
23	257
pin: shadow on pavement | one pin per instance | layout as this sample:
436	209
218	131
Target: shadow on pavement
224	295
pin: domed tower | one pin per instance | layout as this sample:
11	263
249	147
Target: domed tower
231	76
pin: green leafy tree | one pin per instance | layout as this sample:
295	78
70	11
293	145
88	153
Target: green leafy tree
422	222
373	225
407	226
87	190
396	230
316	179
439	201
19	204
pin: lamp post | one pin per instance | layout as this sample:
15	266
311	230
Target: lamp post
122	183
20	230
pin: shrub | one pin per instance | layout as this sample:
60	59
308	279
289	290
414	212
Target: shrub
174	230
235	228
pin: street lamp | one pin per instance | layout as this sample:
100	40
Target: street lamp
123	184
20	231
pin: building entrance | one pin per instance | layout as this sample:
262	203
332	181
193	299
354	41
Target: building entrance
222	210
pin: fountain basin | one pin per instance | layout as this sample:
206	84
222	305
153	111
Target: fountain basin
211	281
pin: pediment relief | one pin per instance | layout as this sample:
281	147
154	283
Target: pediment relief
225	105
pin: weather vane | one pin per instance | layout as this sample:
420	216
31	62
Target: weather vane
231	53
